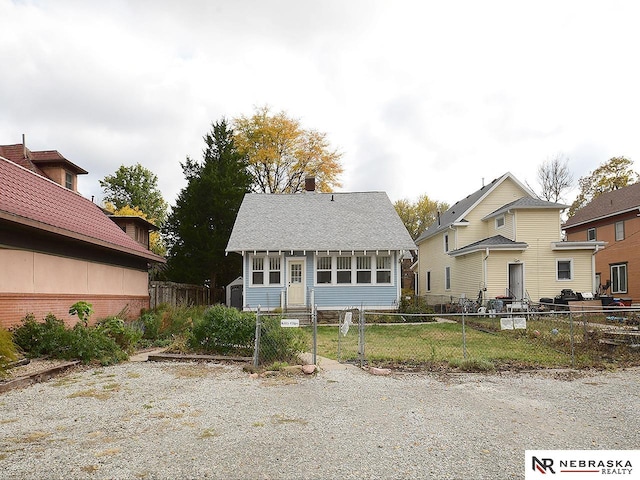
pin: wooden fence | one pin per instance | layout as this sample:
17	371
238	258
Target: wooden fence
178	294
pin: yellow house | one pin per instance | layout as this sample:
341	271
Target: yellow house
502	241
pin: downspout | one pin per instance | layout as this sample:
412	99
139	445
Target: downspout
484	267
245	282
593	270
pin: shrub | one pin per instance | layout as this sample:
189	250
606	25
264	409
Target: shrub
53	339
40	338
126	336
83	310
8	350
224	331
414	304
279	344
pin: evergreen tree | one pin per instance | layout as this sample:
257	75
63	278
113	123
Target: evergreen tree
199	226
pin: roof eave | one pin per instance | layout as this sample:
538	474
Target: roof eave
601	217
482	248
589	245
78	236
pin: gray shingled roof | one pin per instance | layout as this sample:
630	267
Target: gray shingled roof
496	242
607	204
459	209
524	203
318	221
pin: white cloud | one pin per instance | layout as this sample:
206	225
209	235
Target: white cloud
421	96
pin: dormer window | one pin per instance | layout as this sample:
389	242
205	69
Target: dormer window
68	180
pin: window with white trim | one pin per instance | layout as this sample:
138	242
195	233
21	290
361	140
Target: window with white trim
619	278
343	269
591	234
363	269
274	270
266	270
564	269
499	222
446	242
383	269
257	271
619	231
428	281
447	278
323	270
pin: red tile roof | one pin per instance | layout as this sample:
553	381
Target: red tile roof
607	204
30	199
16	153
32	160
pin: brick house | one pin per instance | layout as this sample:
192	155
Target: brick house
612	217
57	248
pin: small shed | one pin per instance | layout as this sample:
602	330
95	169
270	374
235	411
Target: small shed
234	293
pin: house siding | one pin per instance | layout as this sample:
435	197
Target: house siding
615	251
324	296
39	283
539	228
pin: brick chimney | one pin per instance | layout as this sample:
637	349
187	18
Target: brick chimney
310	184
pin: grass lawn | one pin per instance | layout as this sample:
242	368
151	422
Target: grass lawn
545	343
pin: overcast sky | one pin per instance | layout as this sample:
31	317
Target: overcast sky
421	97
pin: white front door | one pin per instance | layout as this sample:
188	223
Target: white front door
516	281
296	287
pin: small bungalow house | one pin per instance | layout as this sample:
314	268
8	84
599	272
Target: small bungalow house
333	250
502	241
57	248
612	217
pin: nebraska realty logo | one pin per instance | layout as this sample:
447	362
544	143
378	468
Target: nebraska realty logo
582	464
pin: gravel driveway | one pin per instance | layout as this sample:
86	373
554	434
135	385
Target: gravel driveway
182	420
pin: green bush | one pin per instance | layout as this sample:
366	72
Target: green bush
8	350
224	331
414	304
51	338
167	322
279	344
126	336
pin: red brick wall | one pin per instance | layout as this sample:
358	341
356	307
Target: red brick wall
14	306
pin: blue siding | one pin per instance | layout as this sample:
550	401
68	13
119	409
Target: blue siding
325	296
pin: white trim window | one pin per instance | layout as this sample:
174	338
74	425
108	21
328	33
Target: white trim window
266	270
591	234
619	230
383	270
447	278
363	269
275	271
343	270
324	273
499	222
446	242
619	278
357	269
428	281
257	270
564	269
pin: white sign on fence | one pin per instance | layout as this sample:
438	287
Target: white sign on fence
506	323
289	322
344	328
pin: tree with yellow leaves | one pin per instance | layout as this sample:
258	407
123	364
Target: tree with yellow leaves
156	244
281	153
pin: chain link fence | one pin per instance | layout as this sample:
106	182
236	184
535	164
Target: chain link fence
517	338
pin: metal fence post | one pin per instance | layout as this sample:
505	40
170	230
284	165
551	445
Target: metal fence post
256	350
573	356
361	336
464	337
315	334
